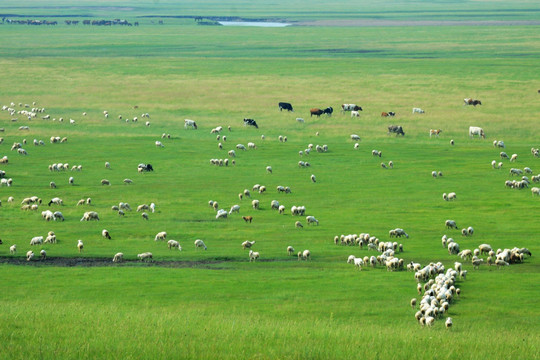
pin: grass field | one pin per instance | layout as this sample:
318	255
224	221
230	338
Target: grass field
215	303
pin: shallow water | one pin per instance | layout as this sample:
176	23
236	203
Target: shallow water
253	23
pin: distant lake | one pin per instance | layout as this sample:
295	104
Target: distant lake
253	23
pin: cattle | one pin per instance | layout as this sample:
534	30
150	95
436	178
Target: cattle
190	123
435	132
328	111
475	130
355	114
417	110
316	111
386	114
396	129
285	106
250	122
350	107
469	101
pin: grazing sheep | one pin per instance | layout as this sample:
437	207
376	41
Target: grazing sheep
452	142
269	169
142	207
503	155
80	245
413	303
448	323
313	179
146	256
105	182
477	262
274	205
107	165
36	240
311	220
162	235
304	255
200	244
90	215
128	181
173	244
248	218
234	208
56	201
298	225
513	158
376	153
159	144
253	255
247	244
13	249
29	255
221	214
118	257
290	250
57	215
71	180
106	234
355	137
255	204
452	196
52	185
43	254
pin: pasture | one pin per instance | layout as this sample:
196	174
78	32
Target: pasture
215	303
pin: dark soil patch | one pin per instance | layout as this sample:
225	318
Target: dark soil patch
102	262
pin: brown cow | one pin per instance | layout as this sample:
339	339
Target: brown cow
316	111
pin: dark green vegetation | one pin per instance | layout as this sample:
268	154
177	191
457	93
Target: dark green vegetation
215	304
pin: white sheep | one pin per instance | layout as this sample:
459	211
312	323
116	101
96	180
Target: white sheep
200	244
159	144
173	244
13	249
80	245
304	255
105	233
255	204
269	169
290	250
513	158
298	225
450	224
311	220
36	240
107	165
162	235
43	254
145	256
313	179
247	244
58	216
355	137
29	255
253	255
90	215
118	257
234	208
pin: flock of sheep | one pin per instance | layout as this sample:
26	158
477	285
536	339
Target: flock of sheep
436	282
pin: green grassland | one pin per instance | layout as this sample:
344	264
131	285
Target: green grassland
215	303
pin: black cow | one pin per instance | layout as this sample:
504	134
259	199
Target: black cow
396	129
328	111
285	106
250	122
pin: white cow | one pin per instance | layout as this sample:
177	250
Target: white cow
475	130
